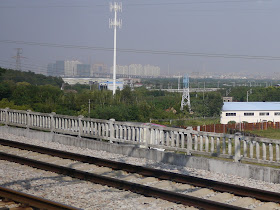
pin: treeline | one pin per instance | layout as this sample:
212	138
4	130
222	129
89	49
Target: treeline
127	105
30	77
255	94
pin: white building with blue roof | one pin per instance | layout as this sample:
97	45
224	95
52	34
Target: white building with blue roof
250	112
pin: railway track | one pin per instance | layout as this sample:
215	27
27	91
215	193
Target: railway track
188	190
11	199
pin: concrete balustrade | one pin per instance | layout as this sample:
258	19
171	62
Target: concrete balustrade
251	149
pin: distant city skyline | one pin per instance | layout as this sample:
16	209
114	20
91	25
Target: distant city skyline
75	68
224	36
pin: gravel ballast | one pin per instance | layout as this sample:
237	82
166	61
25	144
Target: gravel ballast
87	195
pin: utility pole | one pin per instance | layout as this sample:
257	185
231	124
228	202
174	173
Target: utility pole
248	92
168	70
115	7
179	82
203	91
88	107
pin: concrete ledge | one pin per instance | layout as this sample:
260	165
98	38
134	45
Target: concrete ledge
243	170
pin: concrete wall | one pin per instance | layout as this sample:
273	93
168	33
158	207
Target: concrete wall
243	170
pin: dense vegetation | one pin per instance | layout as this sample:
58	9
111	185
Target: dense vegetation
26	90
257	94
30	77
169	83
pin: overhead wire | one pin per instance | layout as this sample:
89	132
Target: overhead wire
143	51
135	4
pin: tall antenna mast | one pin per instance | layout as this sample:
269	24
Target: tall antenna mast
115	7
186	94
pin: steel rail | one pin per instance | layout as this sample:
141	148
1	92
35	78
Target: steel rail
165	175
32	200
120	184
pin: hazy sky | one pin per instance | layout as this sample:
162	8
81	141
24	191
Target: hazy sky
232	27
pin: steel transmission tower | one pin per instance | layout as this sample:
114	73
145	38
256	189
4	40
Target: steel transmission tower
186	94
115	7
18	58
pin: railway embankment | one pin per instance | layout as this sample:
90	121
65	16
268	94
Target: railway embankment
228	167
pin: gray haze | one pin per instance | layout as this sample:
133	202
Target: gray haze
239	27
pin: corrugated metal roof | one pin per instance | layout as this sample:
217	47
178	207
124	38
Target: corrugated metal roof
251	106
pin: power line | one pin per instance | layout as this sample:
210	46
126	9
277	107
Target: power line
188	3
26	67
133	4
154	52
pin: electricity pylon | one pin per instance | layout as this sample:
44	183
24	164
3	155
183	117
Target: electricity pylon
186	100
18	58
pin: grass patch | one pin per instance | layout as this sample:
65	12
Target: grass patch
188	122
196	122
269	133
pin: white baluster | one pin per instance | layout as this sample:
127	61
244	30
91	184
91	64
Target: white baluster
251	149
201	143
172	138
167	139
177	139
195	142
245	148
218	146
258	150
264	150
161	138
182	140
229	146
277	153
224	145
212	144
270	152
206	144
121	132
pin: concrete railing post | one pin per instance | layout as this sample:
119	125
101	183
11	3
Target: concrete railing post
112	130
28	119
52	123
6	116
237	152
146	136
189	143
80	125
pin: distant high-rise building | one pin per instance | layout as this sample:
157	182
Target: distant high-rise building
99	68
71	67
121	70
83	70
74	68
55	69
59	68
51	69
138	70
